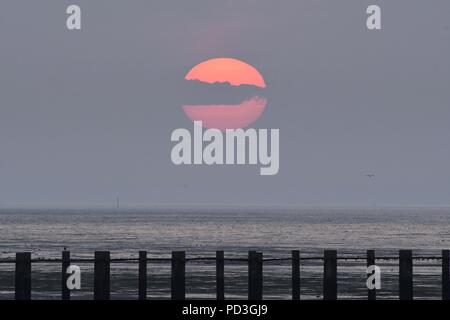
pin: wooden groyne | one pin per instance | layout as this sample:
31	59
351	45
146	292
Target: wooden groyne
255	261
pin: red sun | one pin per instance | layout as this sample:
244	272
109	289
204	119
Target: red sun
234	72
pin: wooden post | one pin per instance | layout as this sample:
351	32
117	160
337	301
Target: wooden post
220	277
371	294
65	292
101	275
405	275
295	275
330	275
23	276
445	275
255	275
142	275
178	275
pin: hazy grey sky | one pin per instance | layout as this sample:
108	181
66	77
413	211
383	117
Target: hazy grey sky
87	115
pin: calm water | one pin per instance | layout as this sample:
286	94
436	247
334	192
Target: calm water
273	231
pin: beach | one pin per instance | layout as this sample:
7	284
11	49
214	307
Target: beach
201	231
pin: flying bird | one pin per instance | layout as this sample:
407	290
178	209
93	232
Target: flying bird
370	175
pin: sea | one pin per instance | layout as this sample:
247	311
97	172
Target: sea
200	231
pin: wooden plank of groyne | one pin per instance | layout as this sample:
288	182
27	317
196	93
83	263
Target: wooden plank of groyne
445	274
178	275
65	292
102	275
255	275
220	275
142	275
23	276
371	294
405	275
330	275
295	275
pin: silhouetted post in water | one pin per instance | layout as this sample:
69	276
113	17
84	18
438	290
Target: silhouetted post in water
330	275
371	294
23	276
406	275
445	275
220	275
65	292
295	275
255	275
178	275
101	275
142	275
